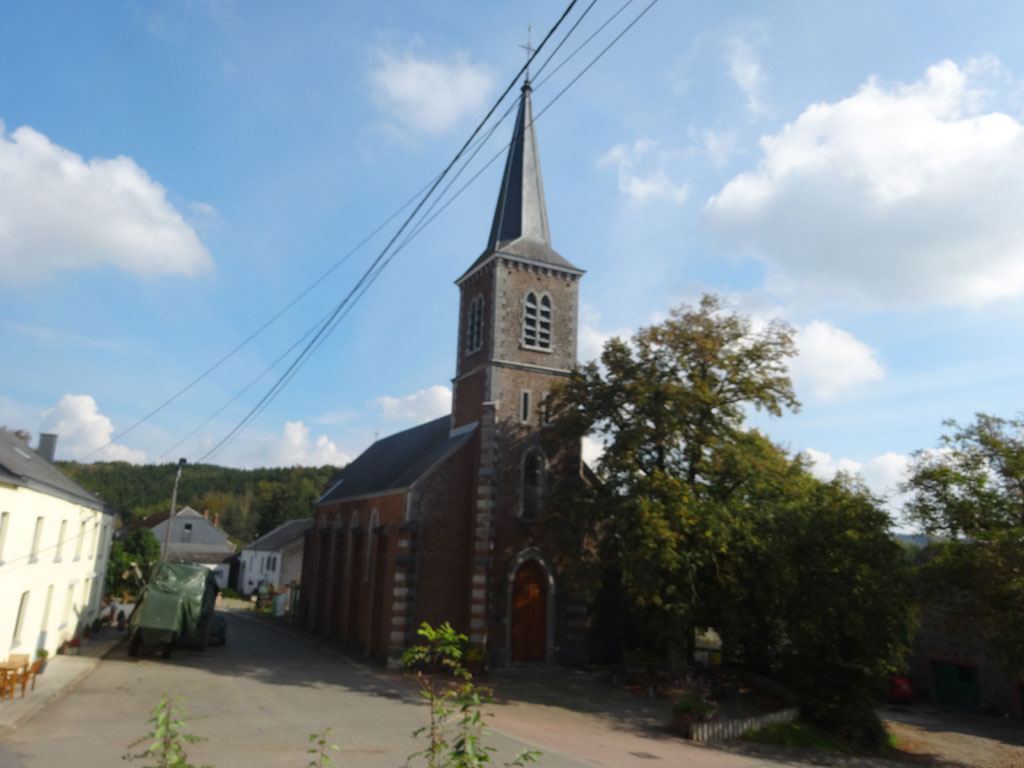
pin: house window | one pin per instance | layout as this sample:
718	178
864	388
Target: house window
36	538
5	521
81	541
534	472
46	610
475	325
60	539
537	321
20	621
524	406
95	540
68	600
86	590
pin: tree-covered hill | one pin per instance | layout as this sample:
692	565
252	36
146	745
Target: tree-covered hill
248	502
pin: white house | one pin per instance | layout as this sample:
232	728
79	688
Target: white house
54	543
193	539
274	557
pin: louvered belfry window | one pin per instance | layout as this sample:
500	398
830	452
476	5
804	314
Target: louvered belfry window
475	325
537	321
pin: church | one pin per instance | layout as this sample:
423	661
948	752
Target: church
442	522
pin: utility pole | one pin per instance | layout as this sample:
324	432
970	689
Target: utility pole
174	504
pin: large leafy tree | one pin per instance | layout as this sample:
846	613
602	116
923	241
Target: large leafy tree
970	492
707	523
670	406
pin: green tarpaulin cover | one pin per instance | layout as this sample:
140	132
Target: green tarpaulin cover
173	602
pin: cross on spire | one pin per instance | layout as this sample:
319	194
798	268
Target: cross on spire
530	50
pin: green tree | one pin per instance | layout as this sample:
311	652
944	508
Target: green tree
821	597
670	406
970	491
710	524
139	547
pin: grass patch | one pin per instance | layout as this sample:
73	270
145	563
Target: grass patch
800	733
797	733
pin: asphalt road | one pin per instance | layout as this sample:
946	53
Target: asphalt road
256	699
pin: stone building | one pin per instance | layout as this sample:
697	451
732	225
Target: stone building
441	522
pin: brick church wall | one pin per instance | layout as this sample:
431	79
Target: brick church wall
444	542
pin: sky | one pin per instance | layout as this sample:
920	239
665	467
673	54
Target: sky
173	175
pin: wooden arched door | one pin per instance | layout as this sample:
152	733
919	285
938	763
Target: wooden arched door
529	613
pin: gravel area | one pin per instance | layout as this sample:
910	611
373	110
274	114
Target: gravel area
944	738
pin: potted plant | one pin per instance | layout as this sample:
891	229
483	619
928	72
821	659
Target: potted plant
689	708
41	654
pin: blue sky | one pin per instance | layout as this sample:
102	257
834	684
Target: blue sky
172	174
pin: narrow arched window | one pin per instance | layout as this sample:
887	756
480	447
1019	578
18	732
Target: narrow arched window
475	325
537	321
534	476
370	548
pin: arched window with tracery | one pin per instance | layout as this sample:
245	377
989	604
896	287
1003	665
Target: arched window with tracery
475	325
534	481
537	321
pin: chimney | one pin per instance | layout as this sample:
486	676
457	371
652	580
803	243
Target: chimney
206	514
47	446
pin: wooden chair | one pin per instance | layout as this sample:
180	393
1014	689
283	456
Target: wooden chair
19	658
6	684
25	675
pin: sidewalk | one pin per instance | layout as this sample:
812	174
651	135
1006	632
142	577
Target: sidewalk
62	673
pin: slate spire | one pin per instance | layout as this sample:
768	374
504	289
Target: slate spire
521	211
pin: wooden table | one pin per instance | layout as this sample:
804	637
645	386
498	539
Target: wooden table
10	673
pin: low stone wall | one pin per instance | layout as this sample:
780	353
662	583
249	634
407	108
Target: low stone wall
731	728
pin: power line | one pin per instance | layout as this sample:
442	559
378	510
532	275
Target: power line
286	376
334	318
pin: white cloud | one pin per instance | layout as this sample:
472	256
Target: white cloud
419	407
642	174
591	338
832	361
58	211
428	96
81	429
295	448
746	72
882	474
718	146
896	195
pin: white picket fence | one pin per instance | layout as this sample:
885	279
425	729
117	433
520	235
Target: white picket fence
734	727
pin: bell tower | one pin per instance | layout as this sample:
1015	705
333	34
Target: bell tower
518	302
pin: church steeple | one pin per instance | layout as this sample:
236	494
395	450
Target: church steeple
521	209
520	226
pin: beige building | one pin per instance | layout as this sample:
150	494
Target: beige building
54	542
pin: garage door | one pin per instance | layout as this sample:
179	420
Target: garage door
956	685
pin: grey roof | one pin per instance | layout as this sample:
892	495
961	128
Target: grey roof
520	227
282	536
397	461
20	465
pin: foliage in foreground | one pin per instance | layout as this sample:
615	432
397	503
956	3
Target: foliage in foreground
456	729
167	737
